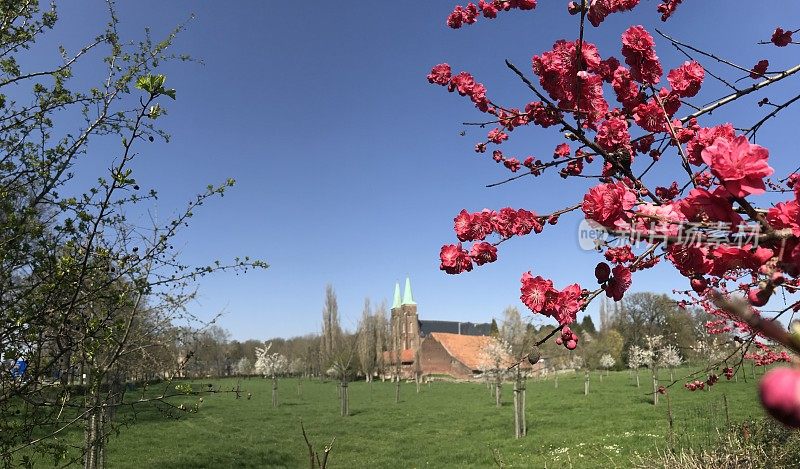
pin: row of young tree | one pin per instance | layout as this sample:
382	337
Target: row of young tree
366	352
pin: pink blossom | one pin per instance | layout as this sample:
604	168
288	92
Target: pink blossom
686	79
739	165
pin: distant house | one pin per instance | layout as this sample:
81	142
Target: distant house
433	347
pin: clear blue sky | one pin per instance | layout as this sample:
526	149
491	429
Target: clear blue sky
350	166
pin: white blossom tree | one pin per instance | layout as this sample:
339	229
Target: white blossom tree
670	357
496	356
637	358
244	366
271	365
607	362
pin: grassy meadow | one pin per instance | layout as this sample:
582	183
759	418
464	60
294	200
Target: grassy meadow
445	425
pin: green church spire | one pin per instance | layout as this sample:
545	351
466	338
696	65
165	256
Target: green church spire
396	302
408	299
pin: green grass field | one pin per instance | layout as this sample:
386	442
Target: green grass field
445	425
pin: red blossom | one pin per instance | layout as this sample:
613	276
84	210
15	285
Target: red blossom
689	260
686	79
704	138
667	8
620	254
663	220
562	150
638	49
535	291
602	272
619	283
785	215
567	304
609	204
497	136
455	259
668	193
483	253
612	135
440	74
469	14
560	75
740	165
626	89
600	9
704	206
759	69
781	38
542	115
650	116
503	222
732	258
525	222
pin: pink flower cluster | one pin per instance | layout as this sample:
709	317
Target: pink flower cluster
469	14
568	338
539	296
667	8
695	385
571	86
477	226
686	79
638	48
615	286
739	165
781	38
506	222
609	204
464	83
600	9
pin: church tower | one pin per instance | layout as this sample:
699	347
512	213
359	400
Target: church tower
405	321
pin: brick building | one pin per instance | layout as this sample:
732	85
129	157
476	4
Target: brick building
434	347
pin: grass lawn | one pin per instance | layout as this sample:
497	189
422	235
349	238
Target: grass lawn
445	425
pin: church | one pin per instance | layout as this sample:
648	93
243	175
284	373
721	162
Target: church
432	347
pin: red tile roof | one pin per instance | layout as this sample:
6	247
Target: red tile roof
468	349
406	356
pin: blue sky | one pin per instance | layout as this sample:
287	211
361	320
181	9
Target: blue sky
351	167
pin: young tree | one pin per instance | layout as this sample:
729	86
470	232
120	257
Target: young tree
715	172
670	357
83	286
244	367
637	357
368	338
331	330
607	362
271	365
496	354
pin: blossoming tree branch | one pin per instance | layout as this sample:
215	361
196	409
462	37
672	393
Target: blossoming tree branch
620	117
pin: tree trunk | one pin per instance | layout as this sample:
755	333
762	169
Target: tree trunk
345	399
94	439
497	391
637	379
556	380
655	388
516	412
274	391
520	426
586	383
397	392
